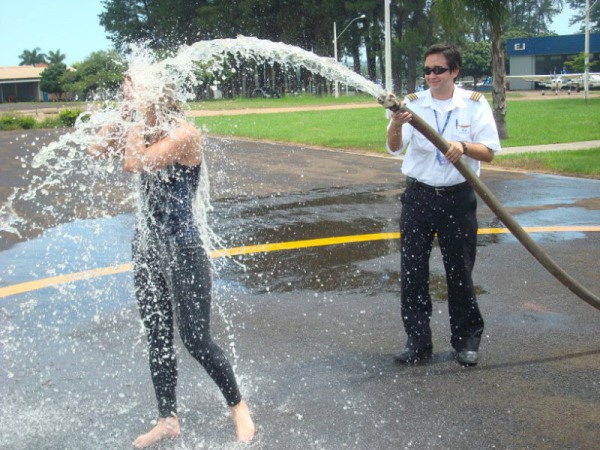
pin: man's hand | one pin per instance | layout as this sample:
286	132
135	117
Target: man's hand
394	133
455	151
399	118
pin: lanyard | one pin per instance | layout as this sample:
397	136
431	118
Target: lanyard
438	155
445	123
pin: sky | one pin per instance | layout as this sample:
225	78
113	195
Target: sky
73	27
560	24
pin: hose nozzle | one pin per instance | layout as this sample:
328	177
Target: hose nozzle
389	101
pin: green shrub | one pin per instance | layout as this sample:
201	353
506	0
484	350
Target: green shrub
26	122
8	122
69	116
66	118
50	122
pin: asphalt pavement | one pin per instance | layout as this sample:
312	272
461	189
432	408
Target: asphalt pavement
311	330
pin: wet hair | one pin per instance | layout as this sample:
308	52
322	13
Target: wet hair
168	96
163	97
450	52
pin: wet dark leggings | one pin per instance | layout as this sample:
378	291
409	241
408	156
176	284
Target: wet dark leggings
182	282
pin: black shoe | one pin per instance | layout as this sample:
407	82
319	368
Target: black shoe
413	355
467	357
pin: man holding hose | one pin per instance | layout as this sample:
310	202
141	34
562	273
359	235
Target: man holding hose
438	201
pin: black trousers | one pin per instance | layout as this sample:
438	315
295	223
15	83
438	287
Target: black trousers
452	217
170	280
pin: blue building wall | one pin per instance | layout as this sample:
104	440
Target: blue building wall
552	45
547	55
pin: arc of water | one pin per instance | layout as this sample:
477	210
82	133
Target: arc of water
214	51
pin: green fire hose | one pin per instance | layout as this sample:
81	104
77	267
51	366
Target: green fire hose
390	102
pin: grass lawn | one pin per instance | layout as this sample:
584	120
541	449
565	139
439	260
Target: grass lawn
359	129
583	163
529	122
296	100
535	122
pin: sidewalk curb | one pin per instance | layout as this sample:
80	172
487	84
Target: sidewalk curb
584	145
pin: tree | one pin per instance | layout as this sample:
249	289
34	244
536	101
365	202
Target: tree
101	71
477	60
579	5
159	24
494	12
32	57
51	79
56	57
352	41
577	64
414	29
164	25
532	16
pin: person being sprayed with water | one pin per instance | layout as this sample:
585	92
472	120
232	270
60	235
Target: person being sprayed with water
172	271
438	201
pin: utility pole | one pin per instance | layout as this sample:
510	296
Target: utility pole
388	48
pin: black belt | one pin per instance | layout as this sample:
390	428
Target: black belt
413	182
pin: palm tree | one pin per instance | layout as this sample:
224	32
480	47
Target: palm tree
494	13
546	11
32	57
56	57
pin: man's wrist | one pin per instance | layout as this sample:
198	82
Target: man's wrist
464	147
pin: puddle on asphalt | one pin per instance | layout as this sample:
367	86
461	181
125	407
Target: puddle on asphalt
542	190
314	214
319	213
348	267
547	217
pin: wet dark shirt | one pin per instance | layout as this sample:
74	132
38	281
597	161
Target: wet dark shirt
167	201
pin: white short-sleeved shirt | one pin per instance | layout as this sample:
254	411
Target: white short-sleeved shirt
466	117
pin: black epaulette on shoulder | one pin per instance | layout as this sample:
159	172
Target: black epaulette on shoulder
412	97
476	96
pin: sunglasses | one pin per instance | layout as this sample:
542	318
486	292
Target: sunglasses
438	70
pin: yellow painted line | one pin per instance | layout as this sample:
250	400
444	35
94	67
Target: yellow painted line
293	245
262	248
62	279
551	229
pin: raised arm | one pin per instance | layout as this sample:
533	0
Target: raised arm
182	145
109	142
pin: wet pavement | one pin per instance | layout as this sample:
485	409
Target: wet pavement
311	331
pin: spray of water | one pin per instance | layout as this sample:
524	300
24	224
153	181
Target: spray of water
213	54
70	185
68	173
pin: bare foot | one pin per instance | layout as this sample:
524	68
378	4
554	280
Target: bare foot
244	426
167	427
